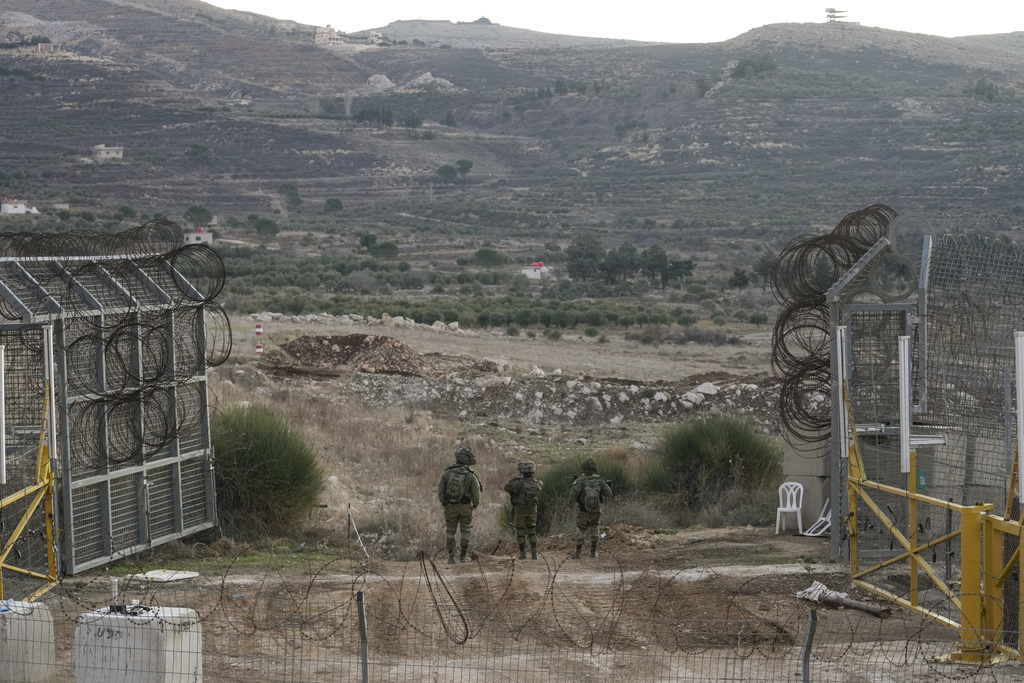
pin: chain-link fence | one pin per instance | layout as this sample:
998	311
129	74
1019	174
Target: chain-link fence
323	626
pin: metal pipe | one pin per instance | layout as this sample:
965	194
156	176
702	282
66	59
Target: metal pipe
3	419
363	639
906	389
805	651
1018	355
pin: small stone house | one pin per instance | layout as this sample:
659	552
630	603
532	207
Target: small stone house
102	152
537	271
200	236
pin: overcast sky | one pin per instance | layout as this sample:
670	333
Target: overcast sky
674	22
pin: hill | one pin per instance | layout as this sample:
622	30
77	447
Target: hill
785	127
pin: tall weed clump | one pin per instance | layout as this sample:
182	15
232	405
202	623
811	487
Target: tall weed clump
268	477
717	462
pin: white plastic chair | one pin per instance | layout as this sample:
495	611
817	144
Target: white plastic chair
822	524
791	498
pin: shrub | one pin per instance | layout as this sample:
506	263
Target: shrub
701	460
512	331
268	478
591	331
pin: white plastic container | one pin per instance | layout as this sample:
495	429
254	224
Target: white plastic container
142	645
27	653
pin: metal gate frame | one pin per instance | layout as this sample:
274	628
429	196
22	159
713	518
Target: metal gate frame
107	510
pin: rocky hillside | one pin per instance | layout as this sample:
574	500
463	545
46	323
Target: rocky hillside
221	108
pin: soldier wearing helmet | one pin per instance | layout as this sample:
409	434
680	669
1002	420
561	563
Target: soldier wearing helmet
459	491
523	490
589	492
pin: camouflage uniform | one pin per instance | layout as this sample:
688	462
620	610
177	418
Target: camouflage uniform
459	513
588	519
524	517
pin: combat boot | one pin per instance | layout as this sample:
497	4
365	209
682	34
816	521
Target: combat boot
576	555
533	551
522	551
451	558
462	556
593	550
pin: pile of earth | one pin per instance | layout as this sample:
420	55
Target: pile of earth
368	352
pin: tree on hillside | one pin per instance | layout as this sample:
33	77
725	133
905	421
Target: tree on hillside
583	257
333	205
266	227
680	269
290	194
463	166
489	257
366	239
448	173
762	267
198	215
754	64
384	250
448	120
412	119
739	279
654	264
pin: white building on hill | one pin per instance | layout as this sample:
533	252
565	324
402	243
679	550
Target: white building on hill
16	206
537	271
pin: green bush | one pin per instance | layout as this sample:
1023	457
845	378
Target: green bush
701	460
268	478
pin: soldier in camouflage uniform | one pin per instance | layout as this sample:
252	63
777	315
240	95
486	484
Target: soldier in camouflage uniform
459	492
523	491
589	492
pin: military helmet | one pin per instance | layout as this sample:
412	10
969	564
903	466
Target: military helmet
590	466
464	456
527	467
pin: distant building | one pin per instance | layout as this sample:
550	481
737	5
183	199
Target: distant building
537	271
102	152
200	236
16	206
325	37
47	47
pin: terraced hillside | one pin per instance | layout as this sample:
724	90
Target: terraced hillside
221	108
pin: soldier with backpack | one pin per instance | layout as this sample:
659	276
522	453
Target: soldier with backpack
459	492
523	491
589	492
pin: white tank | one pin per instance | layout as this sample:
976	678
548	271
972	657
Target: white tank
27	653
139	645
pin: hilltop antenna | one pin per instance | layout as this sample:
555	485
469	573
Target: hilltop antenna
833	15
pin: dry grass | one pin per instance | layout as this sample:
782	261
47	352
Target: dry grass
385	465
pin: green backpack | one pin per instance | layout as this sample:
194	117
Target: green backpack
592	494
456	488
528	492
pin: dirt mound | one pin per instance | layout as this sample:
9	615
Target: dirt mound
367	352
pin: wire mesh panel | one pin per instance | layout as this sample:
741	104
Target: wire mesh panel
131	358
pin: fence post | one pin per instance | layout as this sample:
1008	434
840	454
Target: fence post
362	636
805	651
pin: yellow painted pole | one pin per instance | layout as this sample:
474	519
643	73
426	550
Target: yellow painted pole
972	641
912	522
992	568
